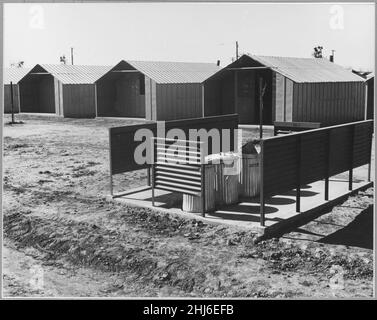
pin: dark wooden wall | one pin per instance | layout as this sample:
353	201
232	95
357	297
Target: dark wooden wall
212	98
119	96
178	101
302	158
238	92
79	100
329	103
122	139
38	94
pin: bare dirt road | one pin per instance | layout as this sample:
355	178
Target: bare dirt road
62	238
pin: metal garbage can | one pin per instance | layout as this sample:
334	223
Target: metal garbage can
249	179
226	177
193	203
230	174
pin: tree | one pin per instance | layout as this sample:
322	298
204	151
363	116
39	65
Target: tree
18	64
318	52
63	59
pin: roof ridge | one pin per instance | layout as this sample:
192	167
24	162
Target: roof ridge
286	57
161	61
74	65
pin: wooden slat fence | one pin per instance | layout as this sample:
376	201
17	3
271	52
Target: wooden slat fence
291	161
122	139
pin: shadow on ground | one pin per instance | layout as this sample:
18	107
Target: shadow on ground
358	233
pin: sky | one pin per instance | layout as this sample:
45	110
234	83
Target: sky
104	34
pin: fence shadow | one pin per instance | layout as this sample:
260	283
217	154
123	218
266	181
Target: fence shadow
358	233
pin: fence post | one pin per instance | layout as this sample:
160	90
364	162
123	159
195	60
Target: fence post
203	184
261	193
350	174
153	168
110	166
149	176
203	190
327	167
370	153
298	182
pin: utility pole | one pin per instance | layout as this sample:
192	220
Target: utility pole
262	89
332	57
72	56
236	50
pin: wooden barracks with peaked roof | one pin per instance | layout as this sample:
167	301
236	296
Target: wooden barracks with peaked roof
64	90
153	90
12	75
297	89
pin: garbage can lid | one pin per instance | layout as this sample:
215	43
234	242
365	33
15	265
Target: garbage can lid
221	157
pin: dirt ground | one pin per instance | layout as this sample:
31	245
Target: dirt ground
63	239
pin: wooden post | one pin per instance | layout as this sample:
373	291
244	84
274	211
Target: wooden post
260	108
203	179
110	166
366	102
203	109
350	174
95	99
111	184
149	176
261	194
327	154
153	168
153	174
203	190
11	99
285	100
370	153
298	182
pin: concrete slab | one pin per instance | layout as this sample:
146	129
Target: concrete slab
280	209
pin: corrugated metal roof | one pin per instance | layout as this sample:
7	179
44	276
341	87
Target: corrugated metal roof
175	72
14	74
75	74
308	69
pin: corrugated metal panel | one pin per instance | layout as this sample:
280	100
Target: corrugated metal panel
308	69
14	74
73	74
175	72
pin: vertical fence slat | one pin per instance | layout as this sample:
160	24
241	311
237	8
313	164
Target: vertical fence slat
327	167
350	174
261	195
298	181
